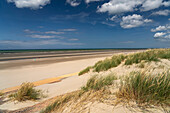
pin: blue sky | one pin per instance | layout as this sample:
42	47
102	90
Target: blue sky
57	24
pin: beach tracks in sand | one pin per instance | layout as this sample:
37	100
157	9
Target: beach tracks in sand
41	82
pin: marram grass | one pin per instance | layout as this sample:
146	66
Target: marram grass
135	58
86	70
146	89
1	94
26	92
96	82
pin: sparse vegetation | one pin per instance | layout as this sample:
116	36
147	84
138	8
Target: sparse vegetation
147	56
26	92
1	94
146	89
58	103
108	63
96	83
85	71
141	65
140	87
94	87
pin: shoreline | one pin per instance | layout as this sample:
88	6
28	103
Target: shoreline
54	58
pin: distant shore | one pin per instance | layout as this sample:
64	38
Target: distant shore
18	59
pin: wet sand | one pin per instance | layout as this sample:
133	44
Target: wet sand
15	60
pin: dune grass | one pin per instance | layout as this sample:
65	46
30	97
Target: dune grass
141	65
1	94
108	63
58	103
148	56
26	92
96	83
93	85
146	89
135	58
86	70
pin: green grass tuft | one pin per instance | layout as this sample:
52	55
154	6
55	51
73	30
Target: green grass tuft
147	56
108	63
58	103
146	89
96	83
26	92
85	71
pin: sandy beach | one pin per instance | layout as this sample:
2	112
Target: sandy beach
16	75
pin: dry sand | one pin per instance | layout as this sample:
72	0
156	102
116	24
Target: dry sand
14	77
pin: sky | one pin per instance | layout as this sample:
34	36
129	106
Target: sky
71	24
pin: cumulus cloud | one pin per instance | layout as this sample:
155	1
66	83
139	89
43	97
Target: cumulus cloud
122	6
162	12
164	35
166	3
132	21
159	34
33	4
153	4
159	28
73	3
119	6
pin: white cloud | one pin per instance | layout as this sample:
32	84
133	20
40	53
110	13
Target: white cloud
109	24
113	18
166	3
68	29
167	36
132	21
122	6
119	6
159	28
151	4
29	31
148	20
32	44
159	34
163	36
41	36
88	1
33	4
162	12
73	3
54	32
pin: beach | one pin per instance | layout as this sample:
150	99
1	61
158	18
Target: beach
15	72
